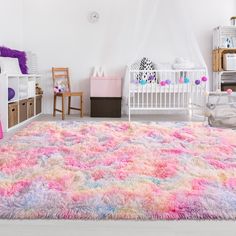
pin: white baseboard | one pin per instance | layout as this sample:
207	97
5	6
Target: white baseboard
115	228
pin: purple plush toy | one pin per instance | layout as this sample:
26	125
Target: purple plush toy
20	55
11	93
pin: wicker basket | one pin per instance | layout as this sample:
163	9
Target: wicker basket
222	110
233	20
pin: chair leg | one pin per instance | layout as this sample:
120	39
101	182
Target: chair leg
63	107
81	106
54	105
69	105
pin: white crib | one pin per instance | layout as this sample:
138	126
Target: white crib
174	96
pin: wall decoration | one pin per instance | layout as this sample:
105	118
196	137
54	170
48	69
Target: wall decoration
93	17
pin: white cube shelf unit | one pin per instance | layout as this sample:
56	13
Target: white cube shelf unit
224	42
224	37
224	78
24	87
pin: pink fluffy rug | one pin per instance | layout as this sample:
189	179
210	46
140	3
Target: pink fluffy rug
117	170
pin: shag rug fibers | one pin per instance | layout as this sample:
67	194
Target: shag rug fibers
118	171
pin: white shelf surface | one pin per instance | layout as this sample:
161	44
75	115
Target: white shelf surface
14	100
22	76
228	72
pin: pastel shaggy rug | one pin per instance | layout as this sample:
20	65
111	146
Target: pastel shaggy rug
117	170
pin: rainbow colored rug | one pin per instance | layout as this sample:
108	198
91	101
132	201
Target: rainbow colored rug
117	170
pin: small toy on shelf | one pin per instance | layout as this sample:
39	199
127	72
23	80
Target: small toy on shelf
38	89
11	93
233	20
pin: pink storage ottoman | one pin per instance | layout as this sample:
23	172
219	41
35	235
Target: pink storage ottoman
105	97
108	86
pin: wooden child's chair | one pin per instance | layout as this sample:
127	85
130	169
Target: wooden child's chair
63	74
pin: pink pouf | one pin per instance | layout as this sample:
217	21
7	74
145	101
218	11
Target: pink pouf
1	132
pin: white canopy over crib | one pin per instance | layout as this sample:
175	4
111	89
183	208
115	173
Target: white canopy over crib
148	31
145	30
162	39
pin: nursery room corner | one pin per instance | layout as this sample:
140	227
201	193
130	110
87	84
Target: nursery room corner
118	117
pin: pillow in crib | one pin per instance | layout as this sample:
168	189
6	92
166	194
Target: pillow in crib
147	64
9	65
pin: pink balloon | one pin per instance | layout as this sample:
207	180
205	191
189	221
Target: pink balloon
229	91
181	80
163	83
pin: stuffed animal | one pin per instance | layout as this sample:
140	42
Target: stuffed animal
58	89
61	87
39	90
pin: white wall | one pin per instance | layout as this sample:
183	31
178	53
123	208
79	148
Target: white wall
59	33
206	15
11	23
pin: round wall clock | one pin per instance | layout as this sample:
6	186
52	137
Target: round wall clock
94	17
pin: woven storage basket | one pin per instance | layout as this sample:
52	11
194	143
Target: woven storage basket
222	110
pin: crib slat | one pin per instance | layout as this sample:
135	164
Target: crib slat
143	96
160	87
138	94
182	94
156	86
151	95
134	89
147	87
169	96
165	92
179	95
